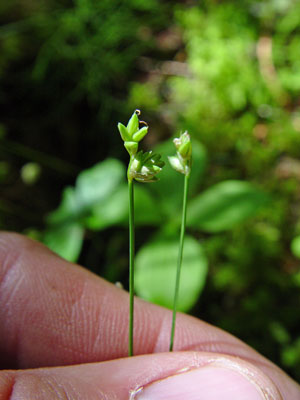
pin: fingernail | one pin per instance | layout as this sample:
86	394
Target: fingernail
210	382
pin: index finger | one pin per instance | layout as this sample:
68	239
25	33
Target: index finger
56	313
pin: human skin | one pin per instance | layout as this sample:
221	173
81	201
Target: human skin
63	335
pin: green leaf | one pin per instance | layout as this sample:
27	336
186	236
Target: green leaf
111	211
93	186
225	205
155	272
65	240
169	188
97	183
114	210
67	210
295	246
146	211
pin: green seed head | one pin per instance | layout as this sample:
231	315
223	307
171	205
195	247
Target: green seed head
183	159
183	145
132	134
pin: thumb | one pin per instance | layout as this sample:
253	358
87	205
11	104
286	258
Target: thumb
186	375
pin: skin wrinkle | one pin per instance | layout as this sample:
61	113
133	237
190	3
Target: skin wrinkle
9	256
42	320
61	302
218	346
106	314
59	389
114	328
116	318
78	313
163	333
91	322
238	351
65	385
187	336
14	266
9	265
145	318
31	386
152	319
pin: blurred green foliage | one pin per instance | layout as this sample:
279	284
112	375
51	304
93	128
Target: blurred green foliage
100	200
228	72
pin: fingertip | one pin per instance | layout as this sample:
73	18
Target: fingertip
11	246
172	376
11	241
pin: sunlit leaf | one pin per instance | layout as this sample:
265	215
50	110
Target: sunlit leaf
65	240
97	183
93	186
67	210
155	274
114	210
225	205
295	246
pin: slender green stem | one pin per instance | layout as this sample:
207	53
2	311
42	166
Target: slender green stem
131	265
179	260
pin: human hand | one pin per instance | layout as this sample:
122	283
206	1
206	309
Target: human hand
65	330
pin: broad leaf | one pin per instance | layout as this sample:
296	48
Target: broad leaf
66	224
155	272
225	205
97	183
93	186
65	240
114	210
295	246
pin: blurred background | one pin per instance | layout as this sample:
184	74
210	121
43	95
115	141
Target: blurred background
229	73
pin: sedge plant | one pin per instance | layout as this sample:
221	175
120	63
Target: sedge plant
181	162
142	167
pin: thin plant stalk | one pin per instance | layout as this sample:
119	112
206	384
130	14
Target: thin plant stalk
180	254
143	167
131	265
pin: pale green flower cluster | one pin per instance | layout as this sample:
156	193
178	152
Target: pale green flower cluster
183	160
143	166
132	134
